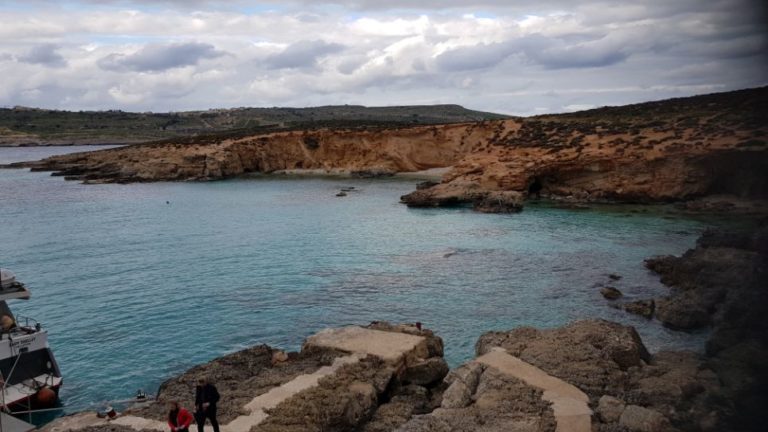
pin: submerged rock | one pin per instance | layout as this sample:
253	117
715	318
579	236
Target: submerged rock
610	293
644	308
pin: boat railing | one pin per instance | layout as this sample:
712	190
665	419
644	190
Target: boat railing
28	324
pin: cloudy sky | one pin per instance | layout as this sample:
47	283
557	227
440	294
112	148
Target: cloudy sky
512	56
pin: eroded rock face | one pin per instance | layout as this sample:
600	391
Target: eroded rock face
343	401
498	403
425	372
593	355
500	202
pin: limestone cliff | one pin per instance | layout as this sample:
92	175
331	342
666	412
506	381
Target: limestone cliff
386	150
653	152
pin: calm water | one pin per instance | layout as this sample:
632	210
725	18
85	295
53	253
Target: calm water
139	282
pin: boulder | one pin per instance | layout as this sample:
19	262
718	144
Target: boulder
426	372
279	357
610	293
610	409
639	419
685	311
463	383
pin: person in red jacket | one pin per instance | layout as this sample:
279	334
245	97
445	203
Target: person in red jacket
179	419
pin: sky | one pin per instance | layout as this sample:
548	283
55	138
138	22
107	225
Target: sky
521	57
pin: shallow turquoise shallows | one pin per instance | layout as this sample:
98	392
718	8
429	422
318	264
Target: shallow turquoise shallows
139	282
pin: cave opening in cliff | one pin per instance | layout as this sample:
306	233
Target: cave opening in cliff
535	187
741	174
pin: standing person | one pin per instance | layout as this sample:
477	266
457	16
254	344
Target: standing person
206	397
179	419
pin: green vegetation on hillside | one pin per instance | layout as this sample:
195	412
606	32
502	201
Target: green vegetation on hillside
29	126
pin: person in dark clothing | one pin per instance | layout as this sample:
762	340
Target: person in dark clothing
206	397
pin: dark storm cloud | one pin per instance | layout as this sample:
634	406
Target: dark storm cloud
156	58
302	54
45	55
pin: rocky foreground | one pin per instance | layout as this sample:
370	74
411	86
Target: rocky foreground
679	149
590	375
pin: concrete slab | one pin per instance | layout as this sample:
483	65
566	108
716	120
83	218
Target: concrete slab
569	404
529	373
389	346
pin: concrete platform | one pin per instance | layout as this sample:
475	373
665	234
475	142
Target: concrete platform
389	346
569	404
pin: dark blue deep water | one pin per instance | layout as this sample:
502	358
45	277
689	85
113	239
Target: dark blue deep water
134	290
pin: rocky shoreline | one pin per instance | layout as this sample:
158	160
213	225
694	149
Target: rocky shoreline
589	375
680	150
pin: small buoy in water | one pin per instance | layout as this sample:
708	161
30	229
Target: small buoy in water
45	397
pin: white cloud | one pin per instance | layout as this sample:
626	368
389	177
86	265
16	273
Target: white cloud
518	57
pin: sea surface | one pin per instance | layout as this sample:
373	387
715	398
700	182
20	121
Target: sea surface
137	283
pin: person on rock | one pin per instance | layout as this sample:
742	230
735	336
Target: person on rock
179	419
206	397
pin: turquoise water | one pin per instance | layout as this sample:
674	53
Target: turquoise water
136	283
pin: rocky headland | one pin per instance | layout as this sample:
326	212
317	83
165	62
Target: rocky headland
686	150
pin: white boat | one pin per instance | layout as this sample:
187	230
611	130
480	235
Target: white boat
29	374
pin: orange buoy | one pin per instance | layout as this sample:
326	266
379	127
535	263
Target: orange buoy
45	397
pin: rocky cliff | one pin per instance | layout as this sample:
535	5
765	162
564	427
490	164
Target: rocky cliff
663	151
374	151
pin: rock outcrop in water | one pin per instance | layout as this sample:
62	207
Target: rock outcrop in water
672	150
721	284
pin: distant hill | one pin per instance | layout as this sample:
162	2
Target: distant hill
32	126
